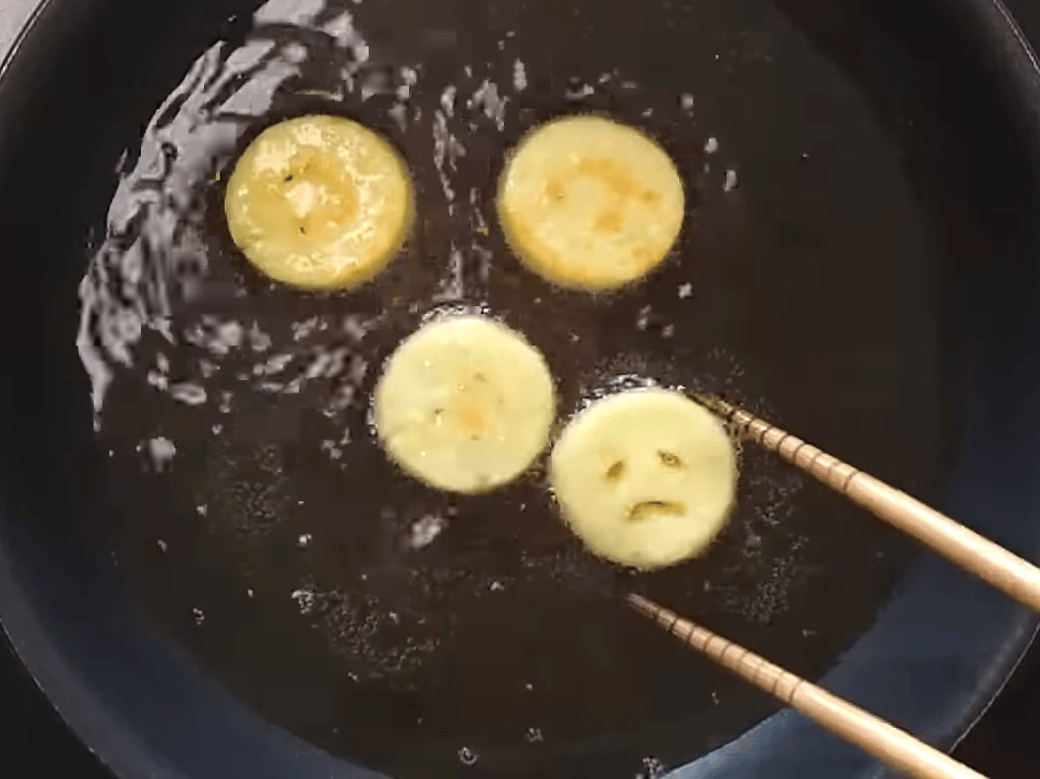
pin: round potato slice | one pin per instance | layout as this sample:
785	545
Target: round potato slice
319	202
589	203
646	478
464	404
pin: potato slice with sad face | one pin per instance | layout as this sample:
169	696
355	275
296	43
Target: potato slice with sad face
646	478
319	202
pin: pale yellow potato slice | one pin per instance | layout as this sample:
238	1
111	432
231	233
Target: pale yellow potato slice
589	203
464	404
319	202
646	478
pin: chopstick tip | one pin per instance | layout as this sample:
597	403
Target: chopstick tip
717	405
644	606
637	602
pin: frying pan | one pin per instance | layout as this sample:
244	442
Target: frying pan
208	566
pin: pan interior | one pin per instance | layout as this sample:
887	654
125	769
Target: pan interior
234	477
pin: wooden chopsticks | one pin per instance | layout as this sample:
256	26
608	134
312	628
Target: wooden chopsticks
977	555
886	742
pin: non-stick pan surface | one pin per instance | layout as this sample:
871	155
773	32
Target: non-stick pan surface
210	566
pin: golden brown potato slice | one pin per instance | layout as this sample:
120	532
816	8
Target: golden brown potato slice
590	203
319	202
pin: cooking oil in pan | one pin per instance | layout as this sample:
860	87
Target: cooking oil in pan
477	631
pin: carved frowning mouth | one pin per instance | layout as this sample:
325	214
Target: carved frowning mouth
645	509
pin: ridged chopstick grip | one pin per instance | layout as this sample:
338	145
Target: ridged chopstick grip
976	554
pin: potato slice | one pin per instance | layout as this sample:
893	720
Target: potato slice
464	404
319	202
589	203
646	478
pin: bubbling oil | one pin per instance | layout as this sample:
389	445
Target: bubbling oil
255	400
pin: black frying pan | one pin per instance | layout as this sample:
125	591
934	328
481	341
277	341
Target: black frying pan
211	570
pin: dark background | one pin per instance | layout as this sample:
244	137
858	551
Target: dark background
1003	745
